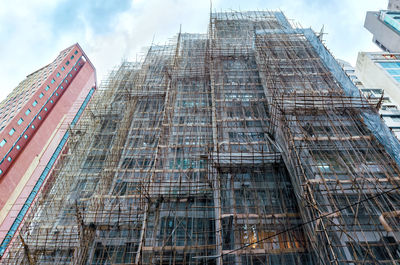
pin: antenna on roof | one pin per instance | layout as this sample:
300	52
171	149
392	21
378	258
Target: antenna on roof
321	33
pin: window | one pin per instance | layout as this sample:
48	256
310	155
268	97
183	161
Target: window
56	94
70	75
34	103
39	117
66	81
47	88
61	87
45	109
394	71
51	101
12	131
390	65
27	112
391	19
41	95
26	136
395	118
76	52
389	107
20	121
9	159
52	81
67	63
33	126
58	74
377	91
75	69
62	68
18	147
1	171
3	142
72	57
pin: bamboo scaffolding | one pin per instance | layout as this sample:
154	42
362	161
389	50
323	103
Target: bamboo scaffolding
216	149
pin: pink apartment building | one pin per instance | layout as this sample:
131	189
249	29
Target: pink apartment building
34	122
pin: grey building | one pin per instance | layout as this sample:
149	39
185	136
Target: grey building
385	27
394	5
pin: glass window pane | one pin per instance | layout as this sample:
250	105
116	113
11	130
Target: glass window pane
394	71
390	65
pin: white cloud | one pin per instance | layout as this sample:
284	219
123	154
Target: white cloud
343	22
28	39
144	22
22	33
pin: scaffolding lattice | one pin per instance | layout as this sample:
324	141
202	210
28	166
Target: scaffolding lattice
216	149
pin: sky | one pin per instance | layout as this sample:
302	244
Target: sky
33	32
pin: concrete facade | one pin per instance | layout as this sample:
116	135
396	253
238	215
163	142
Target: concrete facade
394	5
375	80
385	36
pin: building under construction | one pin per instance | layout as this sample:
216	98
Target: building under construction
245	145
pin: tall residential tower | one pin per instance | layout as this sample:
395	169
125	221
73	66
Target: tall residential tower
34	122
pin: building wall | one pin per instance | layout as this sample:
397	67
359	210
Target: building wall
394	5
389	109
57	94
17	99
16	185
375	76
380	73
384	36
